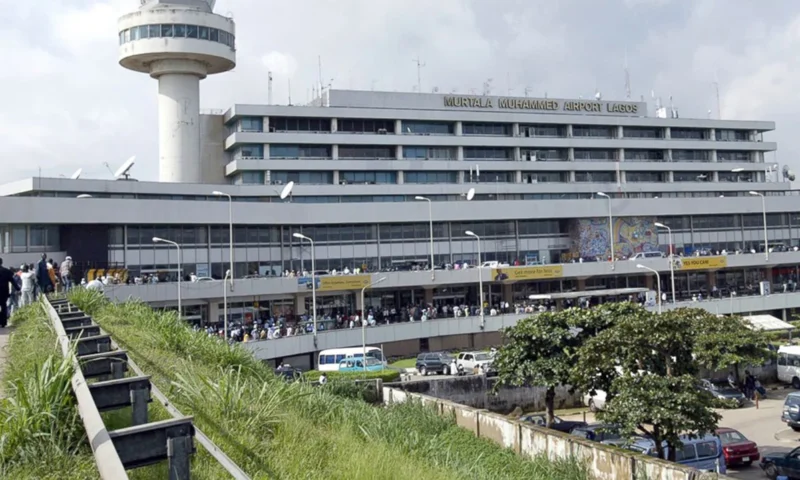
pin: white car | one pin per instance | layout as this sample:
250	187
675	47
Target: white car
469	360
595	402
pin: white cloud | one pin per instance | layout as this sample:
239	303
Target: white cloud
280	63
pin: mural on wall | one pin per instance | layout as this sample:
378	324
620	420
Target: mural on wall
631	236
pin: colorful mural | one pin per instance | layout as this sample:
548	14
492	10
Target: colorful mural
631	235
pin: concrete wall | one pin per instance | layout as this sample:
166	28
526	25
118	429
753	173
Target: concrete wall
476	391
605	462
765	373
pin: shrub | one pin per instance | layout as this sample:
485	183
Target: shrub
725	403
385	375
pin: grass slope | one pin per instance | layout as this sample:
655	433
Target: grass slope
286	431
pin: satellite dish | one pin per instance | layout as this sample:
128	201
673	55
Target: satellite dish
470	194
77	174
287	190
788	174
124	170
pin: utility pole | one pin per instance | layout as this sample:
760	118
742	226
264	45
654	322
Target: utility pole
269	88
716	89
627	77
419	73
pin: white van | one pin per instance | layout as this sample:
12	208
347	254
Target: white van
328	360
644	255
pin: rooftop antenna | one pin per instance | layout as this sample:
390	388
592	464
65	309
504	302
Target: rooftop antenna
108	167
527	91
716	91
487	86
419	73
435	90
289	80
597	95
319	70
627	77
124	172
77	174
269	88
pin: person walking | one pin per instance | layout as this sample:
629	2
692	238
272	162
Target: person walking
7	284
28	285
66	273
42	276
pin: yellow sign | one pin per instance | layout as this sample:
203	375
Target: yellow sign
701	263
513	274
343	282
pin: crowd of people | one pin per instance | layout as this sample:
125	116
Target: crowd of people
21	286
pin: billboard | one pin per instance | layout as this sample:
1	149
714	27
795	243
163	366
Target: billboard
331	283
513	274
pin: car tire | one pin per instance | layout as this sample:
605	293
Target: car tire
796	428
592	407
796	383
771	471
423	371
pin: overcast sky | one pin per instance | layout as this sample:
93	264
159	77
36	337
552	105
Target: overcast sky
66	103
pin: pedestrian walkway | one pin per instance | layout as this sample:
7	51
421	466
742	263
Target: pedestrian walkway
4	332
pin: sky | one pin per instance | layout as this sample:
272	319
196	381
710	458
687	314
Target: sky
67	104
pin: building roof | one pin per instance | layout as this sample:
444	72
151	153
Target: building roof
768	323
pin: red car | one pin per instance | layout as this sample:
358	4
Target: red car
737	448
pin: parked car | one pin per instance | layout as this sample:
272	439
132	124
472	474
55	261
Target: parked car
791	411
737	448
355	364
288	372
598	432
469	360
704	454
434	362
722	390
540	419
786	464
595	402
645	255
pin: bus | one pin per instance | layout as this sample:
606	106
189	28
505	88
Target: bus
328	360
789	365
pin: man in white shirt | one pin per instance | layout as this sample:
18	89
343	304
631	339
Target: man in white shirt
95	285
28	285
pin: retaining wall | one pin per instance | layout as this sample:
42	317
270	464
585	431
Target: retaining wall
605	462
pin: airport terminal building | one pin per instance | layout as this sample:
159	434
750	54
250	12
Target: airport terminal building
556	183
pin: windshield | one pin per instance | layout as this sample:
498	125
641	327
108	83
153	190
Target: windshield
719	385
792	400
731	437
482	357
372	361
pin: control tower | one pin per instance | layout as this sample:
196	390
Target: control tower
179	43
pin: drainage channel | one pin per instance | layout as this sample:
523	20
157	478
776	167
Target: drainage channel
97	356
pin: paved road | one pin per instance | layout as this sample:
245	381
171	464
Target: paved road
3	342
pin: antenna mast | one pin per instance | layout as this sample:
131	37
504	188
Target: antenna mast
269	88
419	73
716	91
627	77
289	81
319	69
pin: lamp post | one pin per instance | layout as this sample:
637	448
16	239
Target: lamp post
225	303
313	282
230	225
364	323
480	277
610	227
671	259
764	213
430	218
658	283
162	240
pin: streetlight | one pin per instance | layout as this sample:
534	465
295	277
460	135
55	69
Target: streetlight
764	213
480	277
671	259
364	323
162	240
313	282
430	218
658	283
610	227
230	225
225	302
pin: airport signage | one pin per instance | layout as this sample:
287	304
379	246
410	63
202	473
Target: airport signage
332	283
543	105
701	263
513	274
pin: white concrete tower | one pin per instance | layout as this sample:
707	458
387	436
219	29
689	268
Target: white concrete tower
178	42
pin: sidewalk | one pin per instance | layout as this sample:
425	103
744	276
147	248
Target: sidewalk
4	332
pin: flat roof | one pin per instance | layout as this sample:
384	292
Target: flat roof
768	323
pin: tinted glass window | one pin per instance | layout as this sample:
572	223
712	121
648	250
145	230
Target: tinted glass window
706	449
686	453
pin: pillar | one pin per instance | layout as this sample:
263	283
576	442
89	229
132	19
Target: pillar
398	127
300	303
334	125
569	131
400	177
461	176
581	284
428	296
571	154
459	129
519	176
515	129
508	292
335	152
265	124
712	134
516	154
460	153
667	133
266	153
398	152
714	156
621	154
671	176
620	132
336	177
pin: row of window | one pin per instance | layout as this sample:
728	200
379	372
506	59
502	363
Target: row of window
29	238
177	30
422	127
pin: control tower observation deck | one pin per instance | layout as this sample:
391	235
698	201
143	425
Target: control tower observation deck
179	43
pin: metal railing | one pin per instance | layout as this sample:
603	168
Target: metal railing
96	355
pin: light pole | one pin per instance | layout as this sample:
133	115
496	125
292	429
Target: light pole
671	259
162	240
430	218
225	302
658	283
230	226
610	227
764	213
480	277
364	323
313	282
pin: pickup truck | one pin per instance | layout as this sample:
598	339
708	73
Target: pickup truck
468	361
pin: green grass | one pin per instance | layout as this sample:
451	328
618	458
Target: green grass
404	363
278	430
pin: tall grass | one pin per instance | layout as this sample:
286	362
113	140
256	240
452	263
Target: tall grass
285	431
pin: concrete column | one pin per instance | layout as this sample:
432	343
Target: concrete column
359	305
300	303
428	296
460	153
266	151
668	155
459	129
515	129
398	152
571	154
508	293
265	126
622	177
519	176
398	127
621	154
572	176
569	131
650	282
334	125
620	132
667	133
581	284
336	177
516	154
461	176
400	177
715	177
714	156
768	274
712	134
335	152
